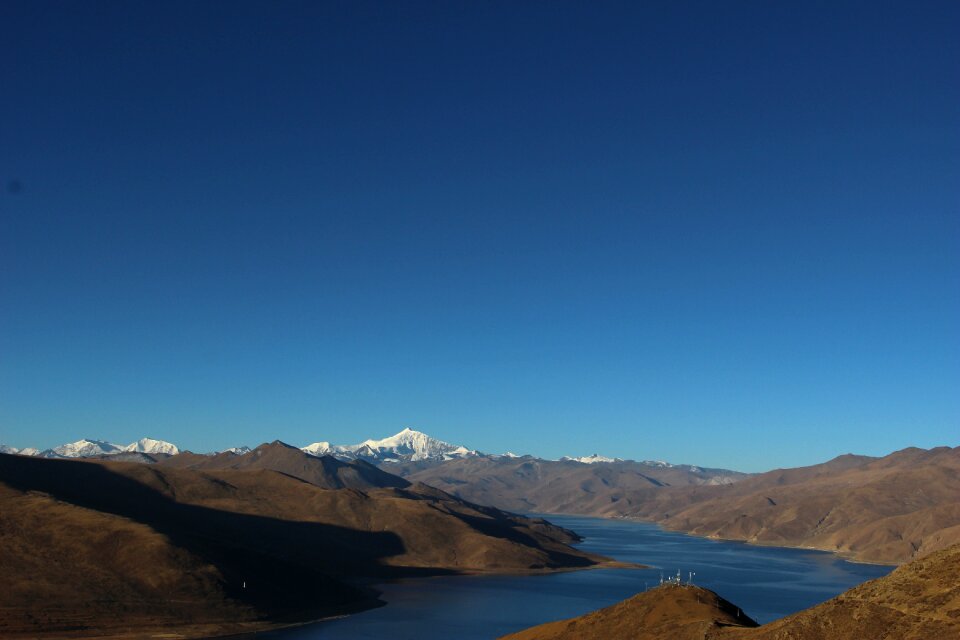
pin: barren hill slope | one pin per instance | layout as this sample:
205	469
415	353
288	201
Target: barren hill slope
555	486
889	509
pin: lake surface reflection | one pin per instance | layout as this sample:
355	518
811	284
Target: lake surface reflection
767	582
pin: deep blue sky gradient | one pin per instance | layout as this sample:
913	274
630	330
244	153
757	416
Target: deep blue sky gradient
717	233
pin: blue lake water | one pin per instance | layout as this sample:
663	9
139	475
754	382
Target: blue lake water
766	582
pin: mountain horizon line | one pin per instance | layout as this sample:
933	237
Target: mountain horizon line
416	445
407	445
86	447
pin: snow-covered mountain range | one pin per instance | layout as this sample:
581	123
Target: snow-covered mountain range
406	446
87	448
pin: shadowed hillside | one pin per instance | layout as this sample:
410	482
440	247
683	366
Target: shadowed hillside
96	548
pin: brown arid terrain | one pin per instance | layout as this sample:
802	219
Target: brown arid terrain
112	549
885	510
918	601
530	484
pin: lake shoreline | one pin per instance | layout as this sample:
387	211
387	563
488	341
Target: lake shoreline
847	556
773	581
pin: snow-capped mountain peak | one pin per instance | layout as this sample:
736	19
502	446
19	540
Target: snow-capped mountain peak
412	445
8	449
408	445
237	451
149	445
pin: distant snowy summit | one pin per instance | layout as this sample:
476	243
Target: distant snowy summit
595	458
149	445
87	448
406	446
237	451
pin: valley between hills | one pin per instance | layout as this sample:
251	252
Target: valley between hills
128	541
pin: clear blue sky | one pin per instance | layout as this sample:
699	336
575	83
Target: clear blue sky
718	233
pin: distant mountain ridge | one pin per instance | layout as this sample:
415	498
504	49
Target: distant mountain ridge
532	485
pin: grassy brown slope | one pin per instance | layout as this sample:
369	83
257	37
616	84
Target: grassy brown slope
668	612
70	571
73	530
890	509
918	601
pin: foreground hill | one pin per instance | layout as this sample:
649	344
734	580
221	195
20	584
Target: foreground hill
918	601
556	486
889	509
669	612
108	548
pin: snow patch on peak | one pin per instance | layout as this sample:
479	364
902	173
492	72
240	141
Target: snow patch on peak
657	463
595	458
8	449
318	448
